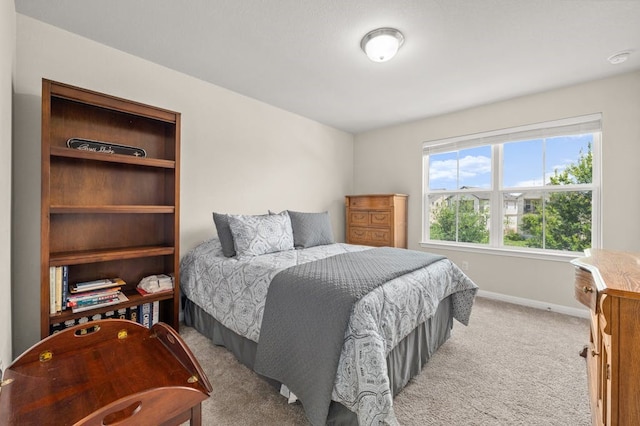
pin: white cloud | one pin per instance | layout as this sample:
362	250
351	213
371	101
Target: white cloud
474	166
445	170
470	167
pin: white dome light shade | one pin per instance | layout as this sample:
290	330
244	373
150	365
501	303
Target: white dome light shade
619	58
382	44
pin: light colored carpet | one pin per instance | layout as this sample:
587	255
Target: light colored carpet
511	366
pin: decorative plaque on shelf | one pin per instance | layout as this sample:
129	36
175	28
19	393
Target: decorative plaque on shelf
105	147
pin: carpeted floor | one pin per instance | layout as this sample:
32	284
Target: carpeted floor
511	366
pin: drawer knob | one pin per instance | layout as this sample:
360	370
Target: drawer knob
587	289
594	353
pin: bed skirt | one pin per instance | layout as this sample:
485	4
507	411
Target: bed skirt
403	362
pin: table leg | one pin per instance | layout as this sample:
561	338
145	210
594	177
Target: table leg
196	415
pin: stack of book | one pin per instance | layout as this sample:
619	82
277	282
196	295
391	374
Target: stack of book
95	294
58	288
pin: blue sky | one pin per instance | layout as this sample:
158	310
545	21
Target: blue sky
526	163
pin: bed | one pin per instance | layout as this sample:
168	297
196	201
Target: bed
391	330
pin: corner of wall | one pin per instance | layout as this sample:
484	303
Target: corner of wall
7	75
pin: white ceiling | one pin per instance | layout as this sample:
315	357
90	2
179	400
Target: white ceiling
304	55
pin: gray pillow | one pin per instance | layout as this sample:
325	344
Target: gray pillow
256	235
224	234
311	229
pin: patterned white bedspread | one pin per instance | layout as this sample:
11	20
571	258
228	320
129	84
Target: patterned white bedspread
234	293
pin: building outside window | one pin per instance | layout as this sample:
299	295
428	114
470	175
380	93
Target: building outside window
532	188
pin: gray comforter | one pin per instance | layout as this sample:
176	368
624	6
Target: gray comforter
234	293
306	314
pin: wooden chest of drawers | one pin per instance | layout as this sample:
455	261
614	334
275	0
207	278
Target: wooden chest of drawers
377	220
608	283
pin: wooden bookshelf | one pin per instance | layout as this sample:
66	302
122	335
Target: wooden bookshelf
108	215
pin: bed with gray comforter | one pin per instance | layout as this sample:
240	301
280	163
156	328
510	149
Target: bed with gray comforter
325	338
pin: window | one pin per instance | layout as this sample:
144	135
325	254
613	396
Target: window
531	188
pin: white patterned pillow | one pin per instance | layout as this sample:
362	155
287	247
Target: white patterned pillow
256	235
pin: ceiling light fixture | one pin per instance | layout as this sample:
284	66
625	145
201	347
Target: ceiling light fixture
619	58
382	44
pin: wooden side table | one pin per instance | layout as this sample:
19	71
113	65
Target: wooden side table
105	373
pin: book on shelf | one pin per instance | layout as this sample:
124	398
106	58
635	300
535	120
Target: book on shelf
119	299
58	288
52	289
65	286
93	300
97	303
145	314
149	313
155	312
96	284
122	313
93	294
133	314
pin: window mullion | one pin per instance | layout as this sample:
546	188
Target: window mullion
544	194
596	192
458	188
426	208
497	207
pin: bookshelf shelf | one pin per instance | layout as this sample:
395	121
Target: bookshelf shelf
108	215
59	209
93	256
112	158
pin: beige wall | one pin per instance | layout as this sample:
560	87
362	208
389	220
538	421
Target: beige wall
238	155
390	160
7	50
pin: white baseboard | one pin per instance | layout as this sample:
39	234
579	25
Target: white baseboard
561	309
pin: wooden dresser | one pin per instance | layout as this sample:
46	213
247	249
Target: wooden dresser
377	220
608	283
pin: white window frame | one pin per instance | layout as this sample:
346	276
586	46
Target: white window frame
576	125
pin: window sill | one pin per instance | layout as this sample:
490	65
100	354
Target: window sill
556	256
